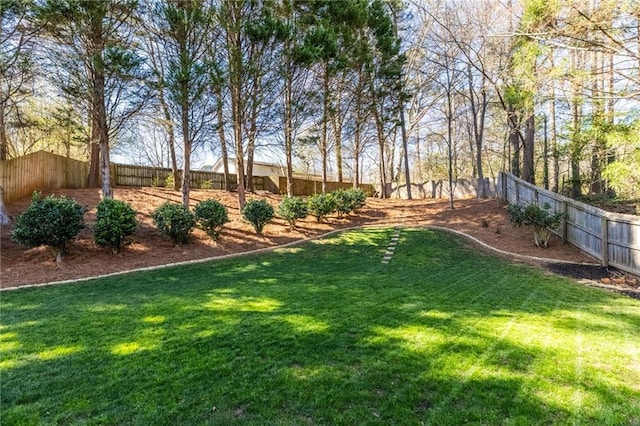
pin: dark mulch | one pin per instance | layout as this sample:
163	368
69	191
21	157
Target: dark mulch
601	276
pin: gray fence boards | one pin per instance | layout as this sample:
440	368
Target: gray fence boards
612	238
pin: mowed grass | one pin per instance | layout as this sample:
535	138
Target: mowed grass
324	334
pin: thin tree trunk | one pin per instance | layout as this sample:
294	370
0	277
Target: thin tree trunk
450	144
186	141
528	172
288	127
380	133
325	119
553	136
514	140
405	147
5	219
223	146
168	123
4	140
235	86
93	176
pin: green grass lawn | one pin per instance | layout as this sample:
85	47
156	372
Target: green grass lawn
324	334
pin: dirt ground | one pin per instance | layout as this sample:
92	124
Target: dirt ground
485	220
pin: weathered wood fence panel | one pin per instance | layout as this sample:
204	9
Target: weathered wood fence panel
303	187
41	170
128	175
612	238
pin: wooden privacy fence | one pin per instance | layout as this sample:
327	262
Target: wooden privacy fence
303	187
41	170
612	238
127	175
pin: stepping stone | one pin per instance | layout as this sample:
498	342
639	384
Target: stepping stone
390	248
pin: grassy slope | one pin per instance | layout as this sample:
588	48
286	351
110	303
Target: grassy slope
326	334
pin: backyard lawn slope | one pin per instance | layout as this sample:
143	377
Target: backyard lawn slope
485	220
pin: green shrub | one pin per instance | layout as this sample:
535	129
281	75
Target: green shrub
258	213
293	208
358	197
211	215
321	205
115	221
344	202
175	221
51	221
206	184
540	218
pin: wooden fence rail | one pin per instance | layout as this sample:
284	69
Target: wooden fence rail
612	238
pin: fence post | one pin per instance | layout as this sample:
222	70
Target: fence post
605	240
564	221
517	187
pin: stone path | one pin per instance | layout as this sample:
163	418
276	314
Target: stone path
395	237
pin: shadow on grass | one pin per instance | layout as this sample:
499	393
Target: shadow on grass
322	334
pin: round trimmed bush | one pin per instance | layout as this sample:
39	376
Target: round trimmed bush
343	202
175	221
293	208
258	213
115	221
321	205
358	197
211	215
51	221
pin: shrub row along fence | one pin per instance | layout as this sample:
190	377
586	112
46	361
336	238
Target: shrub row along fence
612	238
42	170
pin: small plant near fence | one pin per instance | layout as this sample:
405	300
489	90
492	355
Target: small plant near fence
175	221
258	213
211	215
170	181
206	184
51	221
542	219
293	208
115	222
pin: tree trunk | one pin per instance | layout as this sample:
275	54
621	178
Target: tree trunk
528	172
405	147
380	133
234	44
450	144
168	123
222	137
325	119
93	177
288	127
5	219
186	161
514	140
4	140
